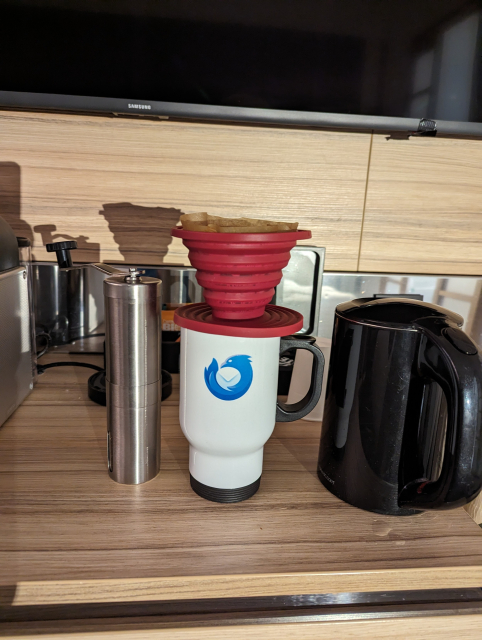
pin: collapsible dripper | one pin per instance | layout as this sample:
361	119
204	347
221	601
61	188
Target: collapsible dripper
239	271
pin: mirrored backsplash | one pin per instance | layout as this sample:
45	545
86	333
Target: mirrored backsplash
70	304
460	294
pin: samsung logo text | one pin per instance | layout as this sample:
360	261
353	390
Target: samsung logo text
139	106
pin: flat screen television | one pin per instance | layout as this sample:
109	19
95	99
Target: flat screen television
357	64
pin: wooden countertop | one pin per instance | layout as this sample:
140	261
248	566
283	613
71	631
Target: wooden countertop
69	534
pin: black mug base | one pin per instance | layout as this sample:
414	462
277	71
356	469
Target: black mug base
224	495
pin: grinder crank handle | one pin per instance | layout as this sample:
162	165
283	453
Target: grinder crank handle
62	249
64	259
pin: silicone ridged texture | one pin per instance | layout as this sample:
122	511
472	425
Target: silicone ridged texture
239	271
224	495
275	322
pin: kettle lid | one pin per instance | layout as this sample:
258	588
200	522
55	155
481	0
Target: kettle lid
393	311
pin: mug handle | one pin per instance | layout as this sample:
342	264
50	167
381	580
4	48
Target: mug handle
290	412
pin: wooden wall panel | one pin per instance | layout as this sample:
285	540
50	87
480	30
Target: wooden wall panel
424	207
119	185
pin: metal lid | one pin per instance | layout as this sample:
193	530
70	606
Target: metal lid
394	312
274	323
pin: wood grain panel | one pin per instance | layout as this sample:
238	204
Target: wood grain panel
119	185
424	627
65	592
69	533
424	207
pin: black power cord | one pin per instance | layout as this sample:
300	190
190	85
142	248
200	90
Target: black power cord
41	367
90	335
44	336
96	383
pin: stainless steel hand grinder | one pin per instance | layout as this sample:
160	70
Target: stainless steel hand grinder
133	368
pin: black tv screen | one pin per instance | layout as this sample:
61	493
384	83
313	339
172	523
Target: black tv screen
382	64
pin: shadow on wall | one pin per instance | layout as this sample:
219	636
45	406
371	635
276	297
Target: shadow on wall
10	199
90	250
143	234
11	210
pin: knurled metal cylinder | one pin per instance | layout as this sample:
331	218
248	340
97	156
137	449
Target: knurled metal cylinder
133	377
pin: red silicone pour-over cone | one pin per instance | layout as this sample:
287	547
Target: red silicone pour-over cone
239	271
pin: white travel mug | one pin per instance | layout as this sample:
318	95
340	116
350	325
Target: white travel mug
228	407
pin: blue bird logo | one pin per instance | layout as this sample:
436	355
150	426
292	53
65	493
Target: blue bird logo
231	383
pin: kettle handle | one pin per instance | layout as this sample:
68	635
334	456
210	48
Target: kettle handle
450	358
290	412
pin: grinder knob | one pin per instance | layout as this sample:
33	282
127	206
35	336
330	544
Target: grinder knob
62	249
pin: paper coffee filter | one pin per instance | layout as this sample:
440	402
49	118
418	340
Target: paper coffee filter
208	223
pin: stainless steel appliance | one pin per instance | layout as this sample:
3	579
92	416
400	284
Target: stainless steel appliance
301	286
133	368
69	305
403	412
17	359
25	260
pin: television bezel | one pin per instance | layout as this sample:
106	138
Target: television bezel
216	113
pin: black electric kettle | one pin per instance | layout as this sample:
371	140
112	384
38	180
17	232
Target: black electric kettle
403	411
